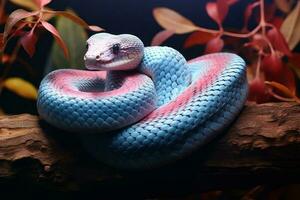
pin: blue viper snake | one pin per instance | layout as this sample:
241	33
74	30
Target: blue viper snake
142	107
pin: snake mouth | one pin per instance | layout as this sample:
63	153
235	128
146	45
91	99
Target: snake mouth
97	65
116	63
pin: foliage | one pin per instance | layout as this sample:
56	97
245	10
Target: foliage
75	38
21	87
272	65
25	27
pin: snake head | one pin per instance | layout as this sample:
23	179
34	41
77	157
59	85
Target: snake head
113	52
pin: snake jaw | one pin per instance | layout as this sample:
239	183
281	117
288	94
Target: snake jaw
95	63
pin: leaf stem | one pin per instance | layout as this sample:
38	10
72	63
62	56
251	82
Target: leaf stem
232	34
243	35
262	17
258	65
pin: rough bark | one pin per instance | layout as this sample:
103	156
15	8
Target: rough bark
262	146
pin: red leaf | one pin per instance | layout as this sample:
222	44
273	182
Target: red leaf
257	91
28	42
272	66
1	41
270	10
214	45
287	78
57	37
212	11
275	70
248	13
258	42
277	39
160	37
198	38
295	59
18	31
14	18
223	8
42	3
277	22
231	2
219	10
75	19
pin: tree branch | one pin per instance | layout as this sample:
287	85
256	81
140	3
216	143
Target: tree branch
262	146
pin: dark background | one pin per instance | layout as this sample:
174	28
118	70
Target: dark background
135	16
117	16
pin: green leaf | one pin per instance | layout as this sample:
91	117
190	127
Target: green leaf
75	38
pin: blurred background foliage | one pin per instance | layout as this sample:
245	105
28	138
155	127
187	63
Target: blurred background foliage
270	52
194	27
24	24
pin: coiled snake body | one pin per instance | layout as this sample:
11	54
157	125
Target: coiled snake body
142	107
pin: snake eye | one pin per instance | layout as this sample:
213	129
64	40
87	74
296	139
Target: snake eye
116	48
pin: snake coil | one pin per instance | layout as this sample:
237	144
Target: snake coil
142	107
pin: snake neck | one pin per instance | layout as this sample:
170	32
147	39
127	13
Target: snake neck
168	70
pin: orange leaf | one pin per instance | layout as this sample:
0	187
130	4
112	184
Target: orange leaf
214	45
291	27
75	19
284	5
14	18
57	37
160	37
172	21
198	38
28	4
283	89
28	42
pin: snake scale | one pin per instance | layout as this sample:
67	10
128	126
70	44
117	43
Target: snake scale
142	107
